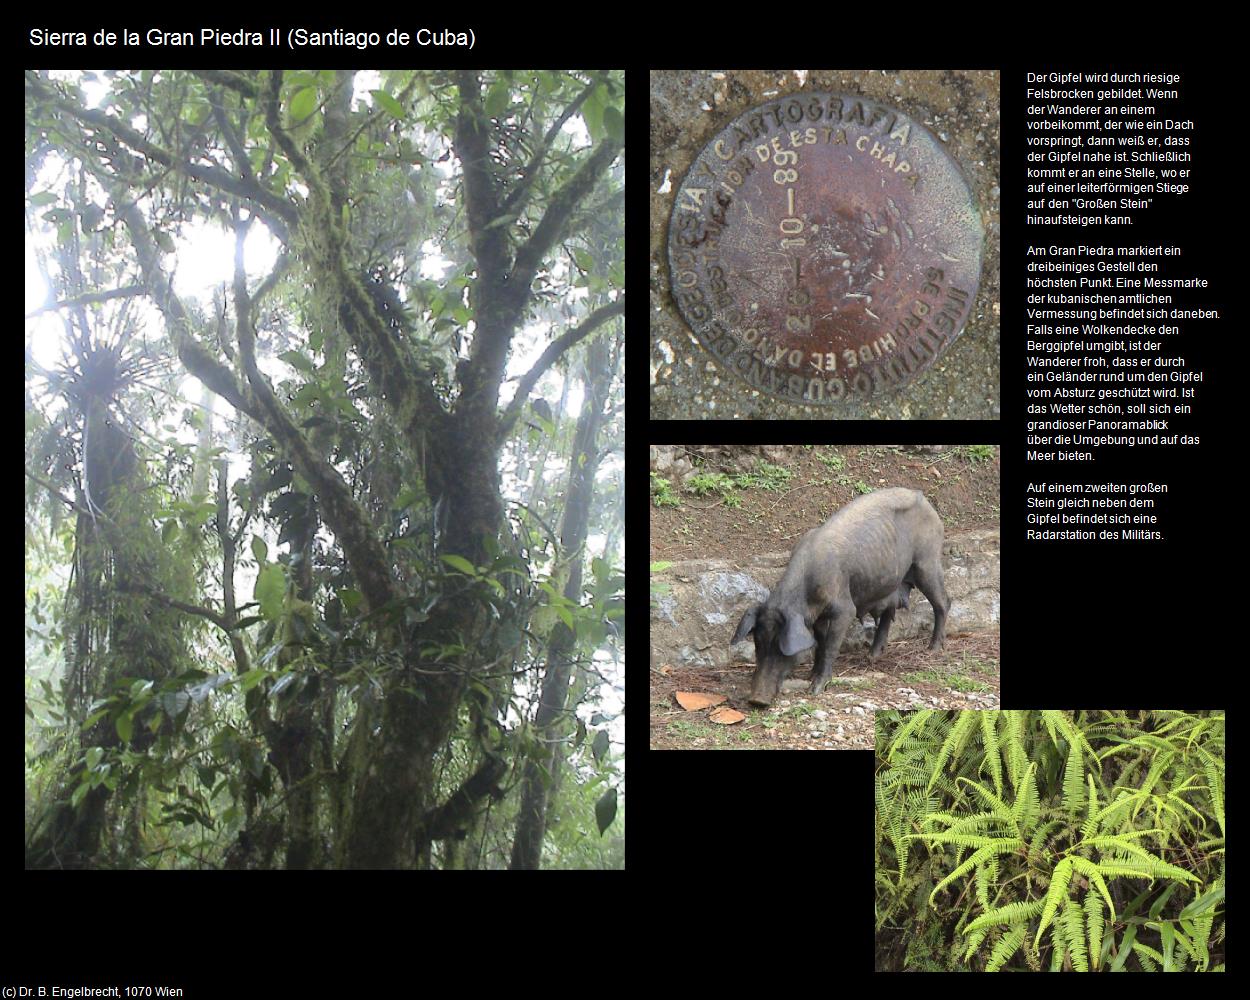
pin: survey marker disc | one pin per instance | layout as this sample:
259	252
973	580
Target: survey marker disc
825	247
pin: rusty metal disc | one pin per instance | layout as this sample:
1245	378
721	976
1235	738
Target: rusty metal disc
824	246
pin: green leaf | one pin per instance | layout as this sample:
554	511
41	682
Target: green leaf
389	104
1203	903
93	757
303	104
614	123
351	599
592	113
79	792
260	549
583	258
605	810
270	591
460	563
125	726
497	99
600	746
297	360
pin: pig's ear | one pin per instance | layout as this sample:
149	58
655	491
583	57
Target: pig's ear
796	636
745	626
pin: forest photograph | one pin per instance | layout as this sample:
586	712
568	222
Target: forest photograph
324	469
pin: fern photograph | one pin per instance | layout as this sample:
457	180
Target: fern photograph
1089	841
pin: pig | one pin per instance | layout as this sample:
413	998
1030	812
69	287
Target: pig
862	561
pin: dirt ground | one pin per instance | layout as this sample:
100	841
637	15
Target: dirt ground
824	478
963	485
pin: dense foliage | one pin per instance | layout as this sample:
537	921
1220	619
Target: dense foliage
1087	841
324	516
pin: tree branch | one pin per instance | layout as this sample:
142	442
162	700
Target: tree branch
487	237
198	361
548	357
555	220
452	818
516	197
235	81
361	548
215	176
88	299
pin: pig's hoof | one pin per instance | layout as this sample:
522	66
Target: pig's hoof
816	687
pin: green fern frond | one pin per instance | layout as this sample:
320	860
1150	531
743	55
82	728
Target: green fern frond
1058	945
1074	927
1152	741
915	724
1091	871
978	823
1197	919
965	840
1003	846
1007	946
901	847
1058	891
1108	814
983	883
1074	782
1095	924
1148	957
1114	839
991	866
1012	913
997	805
1024	809
974	942
1059	722
1138	856
989	739
1117	868
902	774
1039	839
1161	763
1179	936
954	742
1014	750
1213	771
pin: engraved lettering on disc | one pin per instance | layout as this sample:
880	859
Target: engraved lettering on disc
824	246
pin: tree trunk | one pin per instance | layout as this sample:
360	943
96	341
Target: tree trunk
550	724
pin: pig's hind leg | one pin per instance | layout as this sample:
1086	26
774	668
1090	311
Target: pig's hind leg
883	631
929	579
